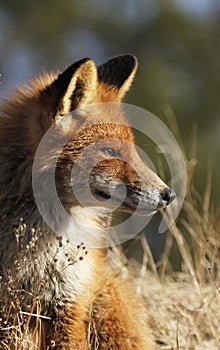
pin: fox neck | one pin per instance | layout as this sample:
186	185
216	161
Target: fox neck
87	225
86	229
74	271
77	224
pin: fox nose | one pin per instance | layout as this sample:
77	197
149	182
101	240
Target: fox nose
168	195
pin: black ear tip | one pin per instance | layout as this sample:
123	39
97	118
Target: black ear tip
117	70
83	60
125	59
130	58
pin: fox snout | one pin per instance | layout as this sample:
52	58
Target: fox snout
142	201
148	200
142	194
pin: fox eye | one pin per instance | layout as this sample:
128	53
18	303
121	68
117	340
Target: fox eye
111	152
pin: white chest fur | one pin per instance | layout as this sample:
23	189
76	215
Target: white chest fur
69	263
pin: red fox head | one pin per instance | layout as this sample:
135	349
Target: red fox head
82	104
101	156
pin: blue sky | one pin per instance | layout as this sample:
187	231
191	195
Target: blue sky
200	7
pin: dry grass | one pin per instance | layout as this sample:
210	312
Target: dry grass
184	305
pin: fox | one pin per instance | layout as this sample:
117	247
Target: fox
74	294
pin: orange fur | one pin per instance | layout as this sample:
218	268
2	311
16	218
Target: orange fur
85	299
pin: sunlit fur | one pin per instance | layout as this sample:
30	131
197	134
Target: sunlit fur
88	301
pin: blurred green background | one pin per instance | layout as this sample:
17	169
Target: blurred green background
177	44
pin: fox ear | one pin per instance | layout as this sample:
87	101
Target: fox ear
115	77
74	87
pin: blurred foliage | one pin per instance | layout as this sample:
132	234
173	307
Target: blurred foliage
178	51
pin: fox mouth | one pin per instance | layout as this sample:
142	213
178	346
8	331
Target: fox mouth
141	202
101	195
